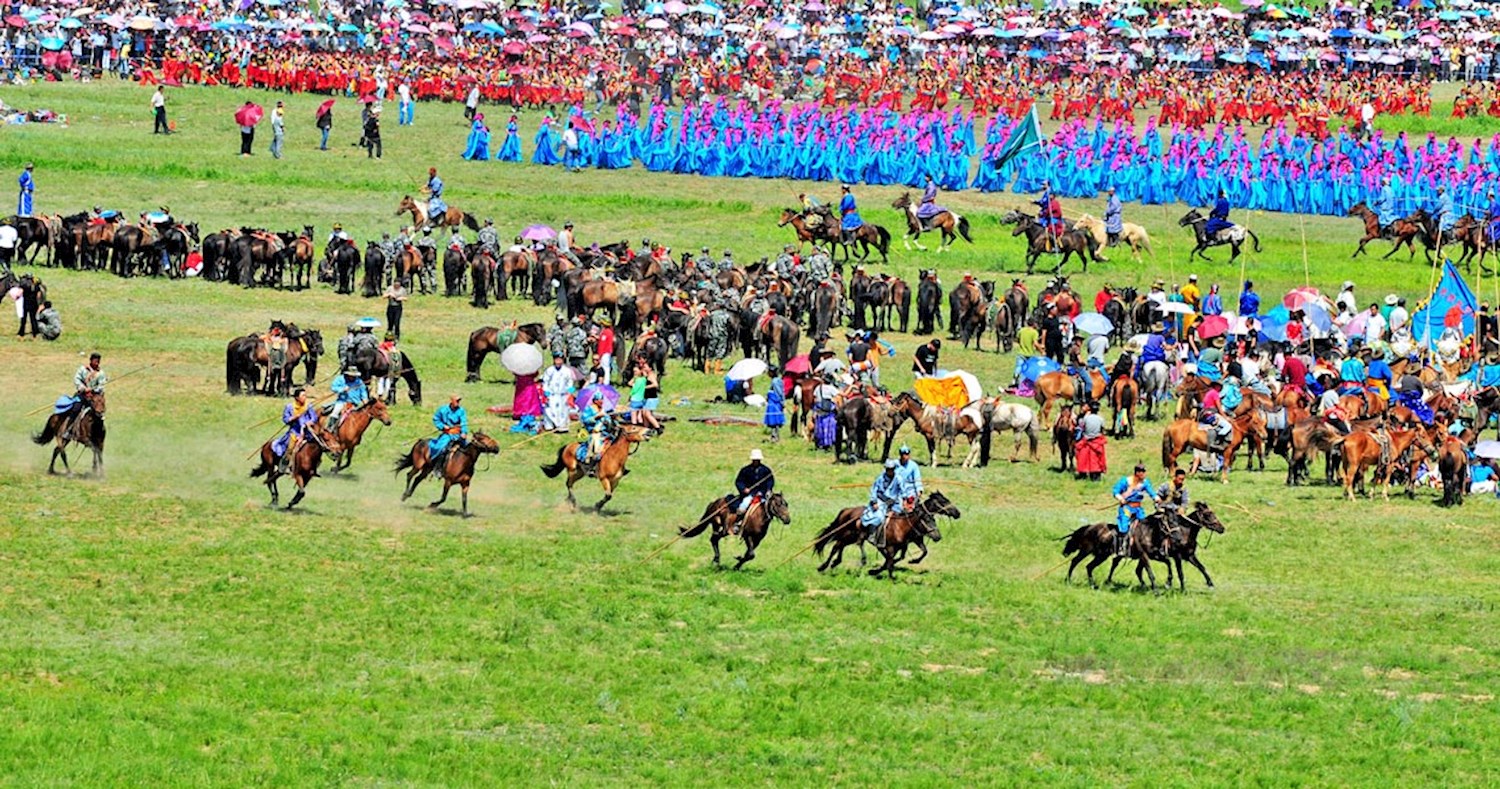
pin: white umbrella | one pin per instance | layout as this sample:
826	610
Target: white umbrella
1093	323
1487	449
1180	307
745	369
521	358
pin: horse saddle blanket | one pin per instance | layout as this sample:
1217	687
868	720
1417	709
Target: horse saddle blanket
626	288
763	322
973	414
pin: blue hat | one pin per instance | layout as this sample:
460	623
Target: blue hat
905	449
890	464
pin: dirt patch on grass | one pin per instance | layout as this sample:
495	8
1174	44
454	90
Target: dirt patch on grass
938	668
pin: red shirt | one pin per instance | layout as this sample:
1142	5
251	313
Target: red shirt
606	341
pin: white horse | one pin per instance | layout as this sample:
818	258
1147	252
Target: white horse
1013	417
1132	234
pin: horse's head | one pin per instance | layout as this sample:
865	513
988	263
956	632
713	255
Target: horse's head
987	287
192	231
1190	218
777	507
1359	209
377	410
1010	217
635	434
486	445
95	401
787	215
314	340
902	202
406	205
328	438
938	504
1204	516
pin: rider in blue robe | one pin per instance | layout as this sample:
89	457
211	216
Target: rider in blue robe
435	205
478	145
850	212
929	207
1385	204
1218	218
452	424
28	186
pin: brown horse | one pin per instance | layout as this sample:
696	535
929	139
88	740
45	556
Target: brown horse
866	236
752	527
1373	230
421	218
303	465
1469	233
611	468
1184	434
513	271
352	426
949	225
492	339
1040	240
458	468
1058	385
779	335
1063	439
967	314
1409	230
899	532
1380	450
87	429
1453	465
1124	393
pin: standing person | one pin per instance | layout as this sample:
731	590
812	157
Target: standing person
471	102
557	385
576	343
373	148
776	405
925	360
28	304
1114	219
159	108
247	136
405	107
278	129
8	240
325	125
526	404
28	188
1091	460
571	156
1130	492
395	298
604	348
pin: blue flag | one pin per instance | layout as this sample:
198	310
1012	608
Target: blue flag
1026	136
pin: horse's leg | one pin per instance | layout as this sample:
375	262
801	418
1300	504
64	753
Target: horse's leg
464	490
713	539
923	555
750	542
573	476
1089	569
301	491
1115	562
447	483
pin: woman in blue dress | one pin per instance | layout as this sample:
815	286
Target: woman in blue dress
546	143
510	150
478	146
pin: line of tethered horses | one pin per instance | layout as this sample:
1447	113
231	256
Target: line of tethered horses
1387	444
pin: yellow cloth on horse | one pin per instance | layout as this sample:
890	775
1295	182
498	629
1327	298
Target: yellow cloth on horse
943	392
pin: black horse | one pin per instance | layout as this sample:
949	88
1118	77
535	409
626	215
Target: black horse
929	303
1071	241
1234	236
372	284
374	363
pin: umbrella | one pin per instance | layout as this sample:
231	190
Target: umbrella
324	108
70	24
1487	449
368	323
521	358
675	7
745	369
1093	323
1299	298
143	23
53	43
1356	325
443	27
15	20
799	365
1317	315
417	28
249	115
538	233
348	28
1176	307
514	47
368	98
1213	326
1034	367
607	393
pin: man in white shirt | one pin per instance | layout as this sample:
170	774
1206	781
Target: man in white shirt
8	239
471	103
159	107
1399	316
1345	301
406	109
1374	324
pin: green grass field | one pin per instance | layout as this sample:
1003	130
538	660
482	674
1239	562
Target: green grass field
163	627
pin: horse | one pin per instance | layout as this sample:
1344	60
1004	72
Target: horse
1308	436
481	271
778	334
853	421
1181	532
420	217
1000	416
901	531
1041	240
512	272
1233	236
343	257
33	234
375	363
253	249
966	313
1373	230
455	261
373	281
352	426
929	304
866	235
826	232
1183	434
1096	541
1131	233
1124	393
825	307
1059	385
303	465
949	225
1417	226
611	468
1154	384
458	467
1064	436
1453	466
245	356
87	429
1470	234
752	526
177	241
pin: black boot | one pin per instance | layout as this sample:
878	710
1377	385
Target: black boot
1122	544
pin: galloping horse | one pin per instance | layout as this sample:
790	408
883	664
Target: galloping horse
1373	230
611	468
752	527
949	224
352	426
1040	240
420	217
867	235
899	532
1131	233
87	430
303	465
1233	236
458	468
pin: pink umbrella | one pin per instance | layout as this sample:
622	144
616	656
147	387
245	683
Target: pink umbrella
417	28
1431	40
249	115
1356	325
1213	326
15	20
675	7
1295	299
657	24
514	47
537	38
443	27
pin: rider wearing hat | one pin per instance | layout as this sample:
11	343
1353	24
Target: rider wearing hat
452	424
885	501
349	391
909	474
1130	492
599	422
752	484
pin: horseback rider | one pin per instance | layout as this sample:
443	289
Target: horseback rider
299	417
1218	218
785	265
434	190
929	207
1131	492
384	386
819	267
452	424
885	501
336	238
1218	428
909	474
1050	214
814	213
1443	213
1172	497
1385	205
752	484
1114	217
489	238
703	264
1078	369
851	221
1352	375
88	383
349	392
727	263
599	422
567	242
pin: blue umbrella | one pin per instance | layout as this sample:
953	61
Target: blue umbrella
1318	316
1134	10
348	28
1034	367
860	52
1344	32
1273	328
53	43
70	24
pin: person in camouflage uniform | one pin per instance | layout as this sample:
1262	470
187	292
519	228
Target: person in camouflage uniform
757	303
489	238
346	347
786	263
819	267
576	344
704	263
556	343
428	273
719	322
727	264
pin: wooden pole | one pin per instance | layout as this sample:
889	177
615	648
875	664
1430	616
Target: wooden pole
109	381
1050	569
1306	270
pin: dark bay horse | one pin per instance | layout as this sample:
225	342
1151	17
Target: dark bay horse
492	339
866	236
458	467
1040	240
88	430
374	363
900	532
752	527
303	465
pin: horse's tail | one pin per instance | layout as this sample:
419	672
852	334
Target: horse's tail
1077	541
1166	448
403	462
49	431
697	528
1034	431
986	430
231	376
556	468
827	534
263	468
963	229
885	239
1253	238
470	222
